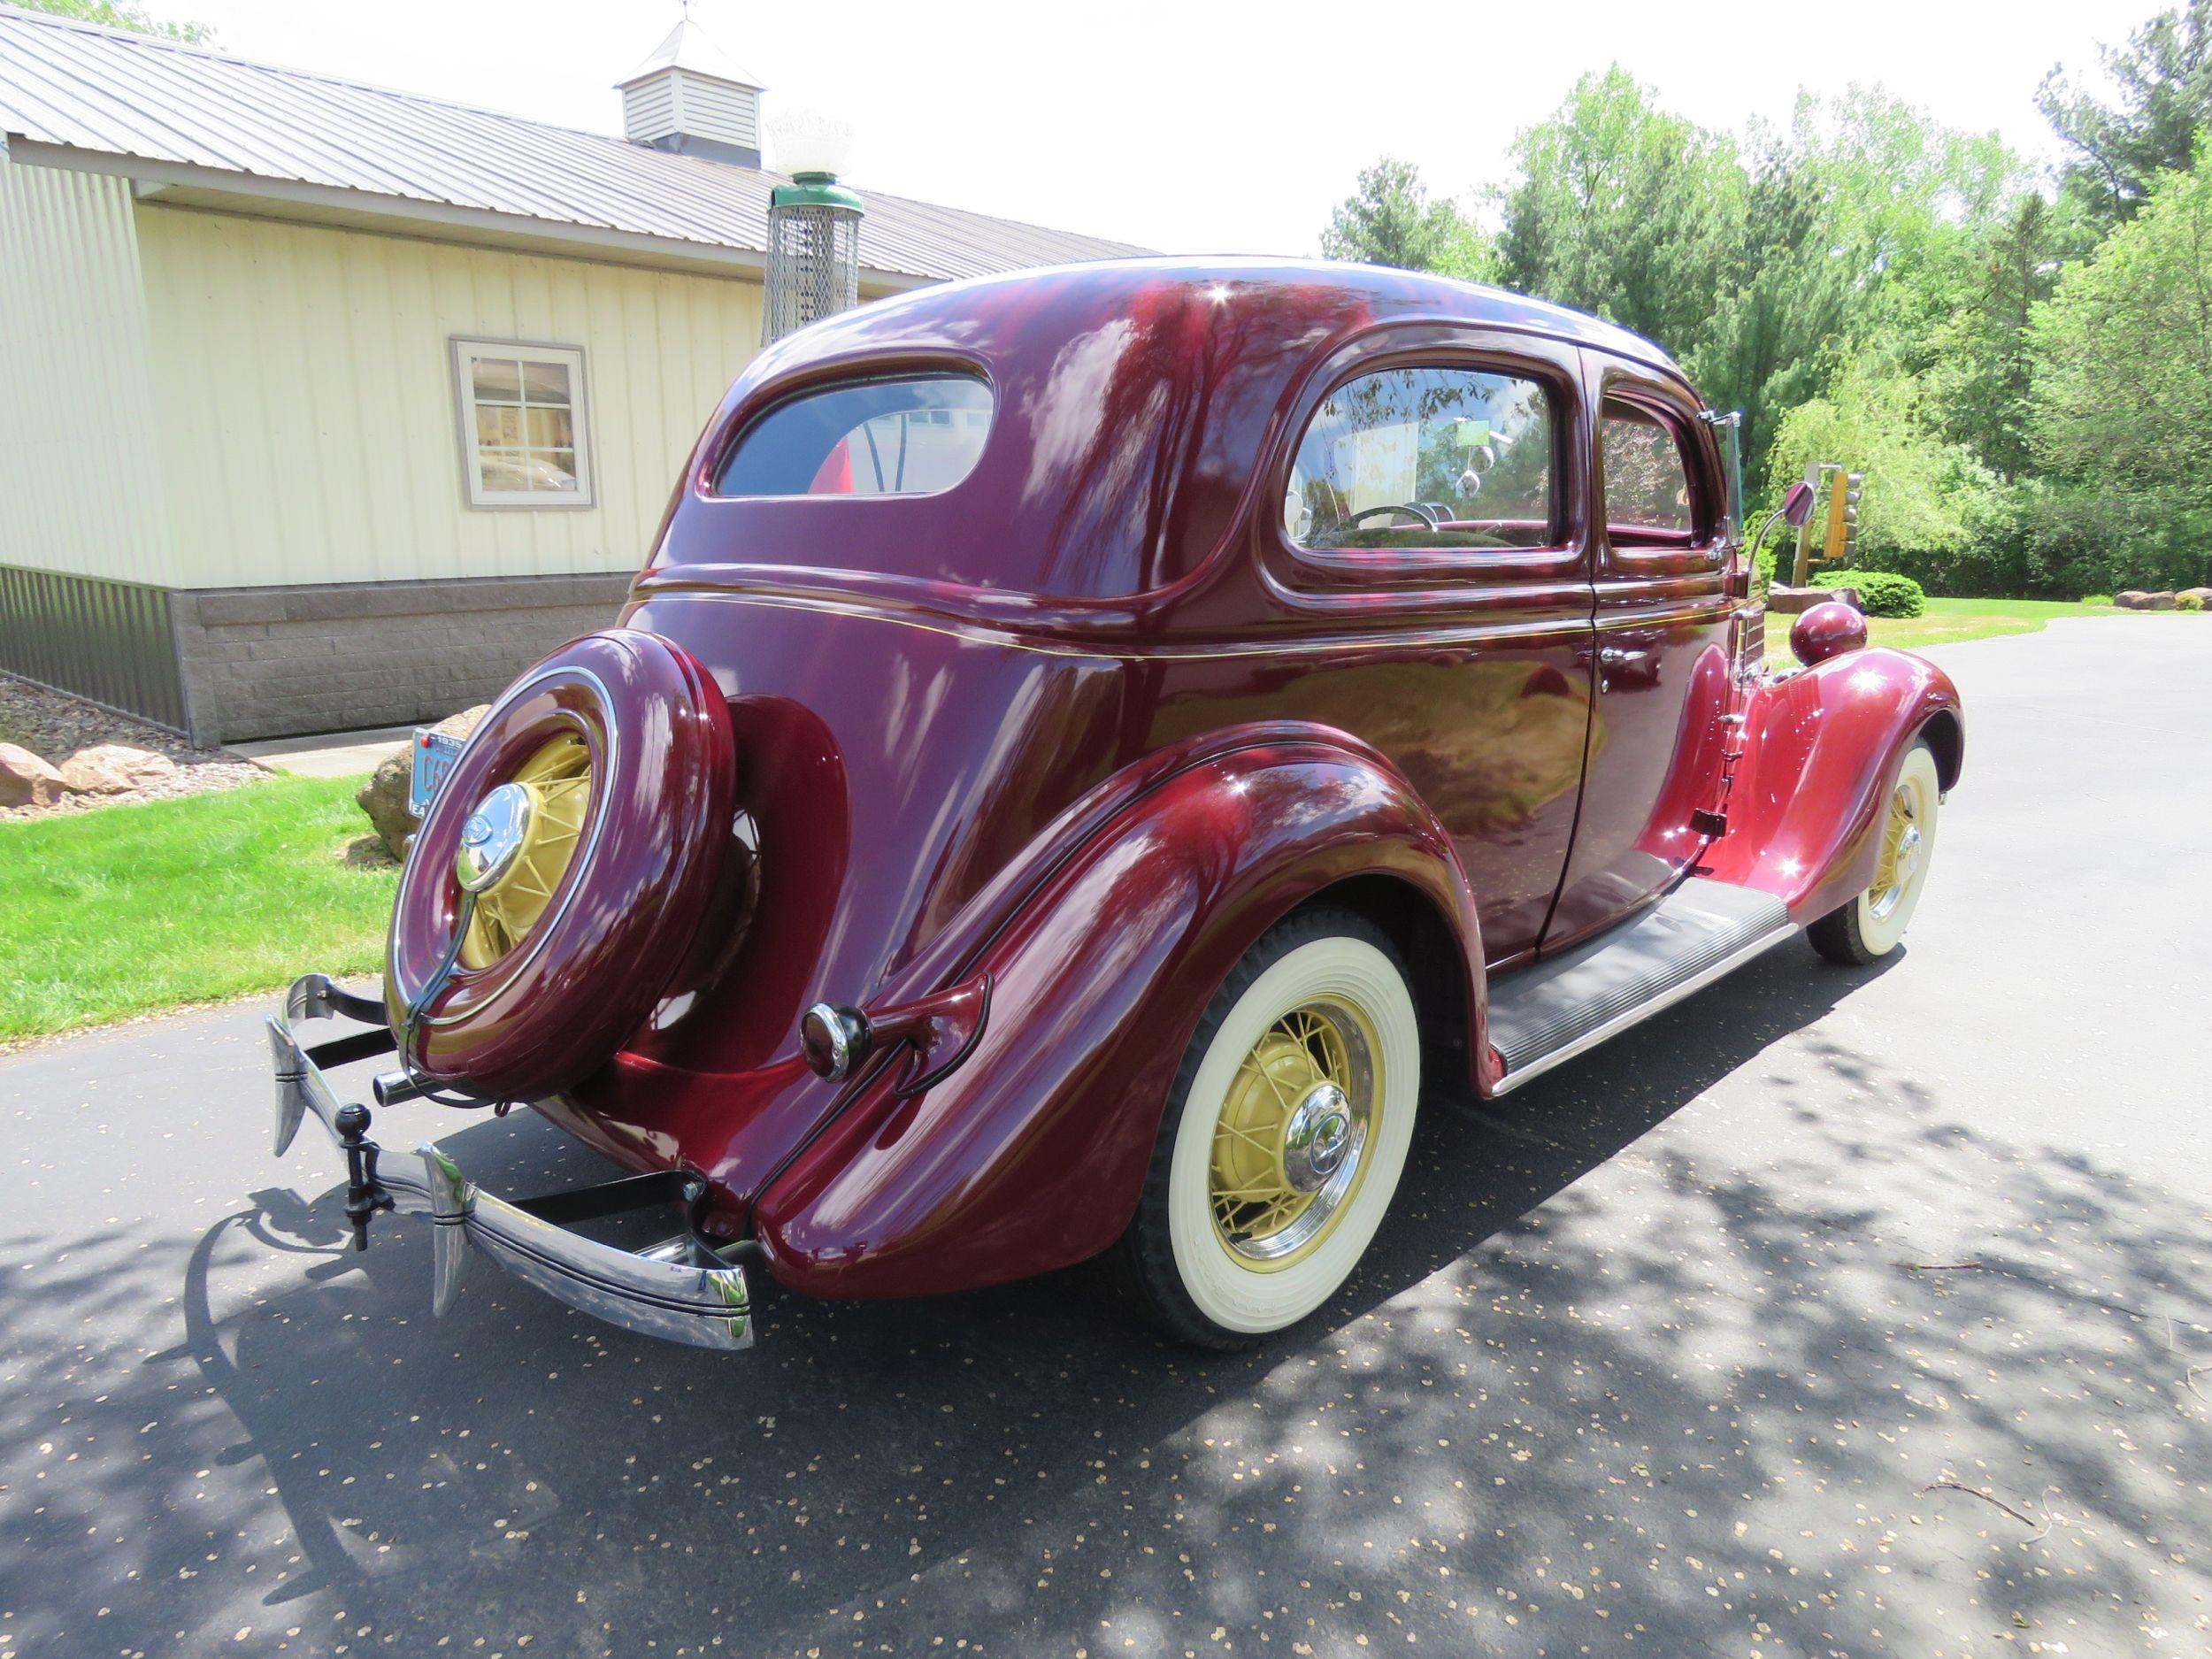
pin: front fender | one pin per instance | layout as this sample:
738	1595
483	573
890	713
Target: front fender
1819	750
1031	1155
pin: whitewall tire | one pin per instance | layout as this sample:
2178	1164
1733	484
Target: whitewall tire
1284	1136
1870	925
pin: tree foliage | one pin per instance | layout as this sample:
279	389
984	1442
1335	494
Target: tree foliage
2162	80
1759	266
2122	380
1389	219
1920	495
1625	210
2022	366
118	14
1981	367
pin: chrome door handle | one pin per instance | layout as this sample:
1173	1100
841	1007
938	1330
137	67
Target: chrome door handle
1620	657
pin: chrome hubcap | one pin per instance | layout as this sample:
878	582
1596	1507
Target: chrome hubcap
1292	1133
494	837
1318	1136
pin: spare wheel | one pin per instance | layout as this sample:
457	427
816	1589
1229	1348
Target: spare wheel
590	811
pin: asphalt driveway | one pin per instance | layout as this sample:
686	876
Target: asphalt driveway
1830	1313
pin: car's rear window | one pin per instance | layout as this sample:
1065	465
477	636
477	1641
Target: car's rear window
908	436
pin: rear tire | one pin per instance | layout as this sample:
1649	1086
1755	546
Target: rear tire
1869	926
1284	1139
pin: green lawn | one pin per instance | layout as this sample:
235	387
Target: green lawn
1949	621
131	908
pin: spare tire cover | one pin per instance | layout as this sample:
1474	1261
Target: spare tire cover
621	918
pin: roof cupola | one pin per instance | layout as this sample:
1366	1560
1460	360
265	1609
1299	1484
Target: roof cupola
687	96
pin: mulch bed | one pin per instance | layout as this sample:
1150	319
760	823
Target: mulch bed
54	726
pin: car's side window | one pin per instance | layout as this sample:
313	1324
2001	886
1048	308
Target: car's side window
1647	498
1427	458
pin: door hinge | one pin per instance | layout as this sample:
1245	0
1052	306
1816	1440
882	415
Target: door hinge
1711	823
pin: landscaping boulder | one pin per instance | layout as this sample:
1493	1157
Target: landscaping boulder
2203	597
1790	601
114	769
2131	600
2160	601
27	780
384	797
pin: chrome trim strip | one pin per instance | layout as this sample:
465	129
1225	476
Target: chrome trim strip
1701	610
663	1292
1471	635
1621	1021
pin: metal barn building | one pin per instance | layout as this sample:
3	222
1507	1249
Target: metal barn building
328	406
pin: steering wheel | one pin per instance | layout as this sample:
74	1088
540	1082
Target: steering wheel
1428	516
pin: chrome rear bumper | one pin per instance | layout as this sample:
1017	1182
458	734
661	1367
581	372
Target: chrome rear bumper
681	1290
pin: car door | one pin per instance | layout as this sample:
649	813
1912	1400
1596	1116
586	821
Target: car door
1434	509
1661	665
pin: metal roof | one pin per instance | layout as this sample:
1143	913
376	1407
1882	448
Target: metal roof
687	48
197	119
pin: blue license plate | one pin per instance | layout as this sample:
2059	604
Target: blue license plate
435	754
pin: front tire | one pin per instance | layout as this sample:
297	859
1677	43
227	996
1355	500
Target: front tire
1870	925
1284	1136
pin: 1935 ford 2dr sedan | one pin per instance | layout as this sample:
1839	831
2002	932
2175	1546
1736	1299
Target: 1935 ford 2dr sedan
1087	748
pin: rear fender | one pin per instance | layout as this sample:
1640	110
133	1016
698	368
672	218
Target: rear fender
1821	748
1032	1154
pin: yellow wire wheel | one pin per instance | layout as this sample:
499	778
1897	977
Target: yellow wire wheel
1290	1140
1281	1152
558	780
1872	922
1897	872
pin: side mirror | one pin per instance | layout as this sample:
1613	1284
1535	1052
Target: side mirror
1797	506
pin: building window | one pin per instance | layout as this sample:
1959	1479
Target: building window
523	440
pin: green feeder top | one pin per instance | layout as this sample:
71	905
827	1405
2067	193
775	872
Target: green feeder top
814	189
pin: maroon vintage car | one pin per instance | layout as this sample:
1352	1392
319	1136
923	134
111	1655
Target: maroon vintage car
1086	746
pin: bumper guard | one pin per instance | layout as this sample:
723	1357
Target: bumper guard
685	1289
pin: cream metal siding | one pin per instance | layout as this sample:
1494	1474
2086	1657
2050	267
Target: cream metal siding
310	428
80	474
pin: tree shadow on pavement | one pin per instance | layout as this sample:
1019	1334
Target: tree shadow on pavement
1824	1381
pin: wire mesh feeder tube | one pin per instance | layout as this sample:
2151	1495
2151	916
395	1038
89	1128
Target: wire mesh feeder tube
813	261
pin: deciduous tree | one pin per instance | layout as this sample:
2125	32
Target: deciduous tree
2123	375
2161	100
1624	210
1390	219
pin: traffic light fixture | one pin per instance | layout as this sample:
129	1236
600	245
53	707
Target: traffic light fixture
1841	541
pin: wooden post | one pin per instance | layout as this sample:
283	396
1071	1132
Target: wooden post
1803	572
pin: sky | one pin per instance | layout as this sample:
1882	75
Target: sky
1194	127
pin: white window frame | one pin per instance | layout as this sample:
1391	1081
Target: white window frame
465	348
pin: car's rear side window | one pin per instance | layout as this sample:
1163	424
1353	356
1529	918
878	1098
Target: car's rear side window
917	435
1426	457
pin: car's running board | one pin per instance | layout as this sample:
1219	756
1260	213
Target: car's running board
1557	1010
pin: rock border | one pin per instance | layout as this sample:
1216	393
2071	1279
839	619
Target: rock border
79	756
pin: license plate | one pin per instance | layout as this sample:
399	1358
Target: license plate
435	754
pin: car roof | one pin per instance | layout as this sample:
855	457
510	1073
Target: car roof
1136	403
1068	296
